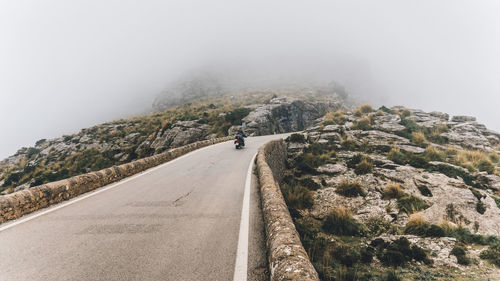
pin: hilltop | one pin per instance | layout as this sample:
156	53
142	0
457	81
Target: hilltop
202	115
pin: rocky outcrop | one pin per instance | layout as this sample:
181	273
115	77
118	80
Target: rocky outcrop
287	258
285	114
17	204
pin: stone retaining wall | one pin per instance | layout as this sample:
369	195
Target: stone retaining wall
287	258
17	204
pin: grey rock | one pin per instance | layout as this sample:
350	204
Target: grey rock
463	118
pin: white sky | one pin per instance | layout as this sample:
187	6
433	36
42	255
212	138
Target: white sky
65	65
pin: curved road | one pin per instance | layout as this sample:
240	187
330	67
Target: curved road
177	221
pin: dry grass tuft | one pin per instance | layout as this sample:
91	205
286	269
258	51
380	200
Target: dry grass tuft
393	190
419	138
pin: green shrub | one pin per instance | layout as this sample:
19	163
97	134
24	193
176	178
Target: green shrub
424	190
463	235
377	226
296	138
492	254
386	110
397	156
411	204
400	251
309	183
349	144
350	189
341	222
366	254
392	275
486	166
418	161
497	200
480	207
418	226
235	116
364	167
461	254
297	197
346	274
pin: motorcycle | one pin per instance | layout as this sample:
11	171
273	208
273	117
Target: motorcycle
239	143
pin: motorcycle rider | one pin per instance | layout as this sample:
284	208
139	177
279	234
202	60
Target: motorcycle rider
241	136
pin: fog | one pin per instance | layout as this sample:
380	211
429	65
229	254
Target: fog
65	65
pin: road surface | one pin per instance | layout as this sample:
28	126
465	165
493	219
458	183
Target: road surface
178	221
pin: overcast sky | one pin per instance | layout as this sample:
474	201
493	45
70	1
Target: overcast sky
65	65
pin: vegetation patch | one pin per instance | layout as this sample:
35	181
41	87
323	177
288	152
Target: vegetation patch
350	189
424	190
492	254
364	109
341	222
363	123
396	156
411	204
297	197
418	226
309	183
296	138
399	252
393	190
461	254
335	118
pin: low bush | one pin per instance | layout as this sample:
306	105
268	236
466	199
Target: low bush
432	154
492	254
362	124
418	161
400	251
349	144
393	190
392	275
480	207
497	200
418	138
461	254
377	226
424	190
411	204
296	138
364	167
464	235
235	116
418	226
359	111
397	156
309	183
297	197
386	110
335	118
350	189
341	222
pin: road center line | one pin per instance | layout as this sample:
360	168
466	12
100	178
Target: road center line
99	190
241	266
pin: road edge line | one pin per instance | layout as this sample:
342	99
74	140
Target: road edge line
241	264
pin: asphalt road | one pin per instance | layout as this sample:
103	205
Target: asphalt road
179	221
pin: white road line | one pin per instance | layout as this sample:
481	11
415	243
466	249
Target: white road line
241	266
79	198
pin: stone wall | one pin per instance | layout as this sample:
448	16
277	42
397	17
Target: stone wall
17	204
287	258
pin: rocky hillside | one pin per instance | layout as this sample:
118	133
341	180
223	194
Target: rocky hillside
124	140
397	194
